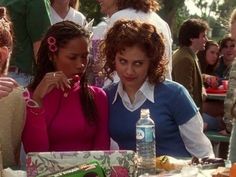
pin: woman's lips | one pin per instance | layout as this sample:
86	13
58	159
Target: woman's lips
129	78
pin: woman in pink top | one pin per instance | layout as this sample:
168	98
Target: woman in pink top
63	112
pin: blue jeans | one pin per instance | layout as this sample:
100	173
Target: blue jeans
213	123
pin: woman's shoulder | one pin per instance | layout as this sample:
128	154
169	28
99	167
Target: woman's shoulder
170	89
77	16
169	85
123	13
78	13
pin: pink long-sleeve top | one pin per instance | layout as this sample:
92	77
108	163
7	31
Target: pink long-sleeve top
60	125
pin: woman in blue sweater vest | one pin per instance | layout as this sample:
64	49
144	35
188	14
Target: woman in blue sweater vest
136	52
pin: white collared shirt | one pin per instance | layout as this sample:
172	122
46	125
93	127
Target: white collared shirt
145	92
72	15
194	139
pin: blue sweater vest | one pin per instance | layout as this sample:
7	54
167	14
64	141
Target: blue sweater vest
173	107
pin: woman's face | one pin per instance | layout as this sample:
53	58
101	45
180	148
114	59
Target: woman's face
72	59
212	54
132	66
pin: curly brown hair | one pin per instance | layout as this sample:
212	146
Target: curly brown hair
143	5
129	33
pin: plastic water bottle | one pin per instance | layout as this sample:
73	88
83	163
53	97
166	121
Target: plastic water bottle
145	144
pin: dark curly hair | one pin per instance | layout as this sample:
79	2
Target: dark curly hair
223	42
191	28
141	5
63	33
128	33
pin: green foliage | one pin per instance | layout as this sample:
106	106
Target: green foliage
91	9
224	12
217	14
174	12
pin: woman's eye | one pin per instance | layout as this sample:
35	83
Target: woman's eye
138	63
122	61
72	58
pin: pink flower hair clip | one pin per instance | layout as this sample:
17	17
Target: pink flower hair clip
52	44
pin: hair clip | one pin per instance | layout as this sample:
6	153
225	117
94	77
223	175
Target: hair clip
52	43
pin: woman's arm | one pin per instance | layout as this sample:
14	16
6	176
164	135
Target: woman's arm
196	142
35	135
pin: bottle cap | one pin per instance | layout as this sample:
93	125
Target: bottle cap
145	112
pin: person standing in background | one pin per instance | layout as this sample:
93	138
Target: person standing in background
30	19
65	10
12	104
144	11
186	71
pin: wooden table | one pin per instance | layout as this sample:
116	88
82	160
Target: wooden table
216	96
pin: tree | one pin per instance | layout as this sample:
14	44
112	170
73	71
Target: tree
220	11
224	11
181	15
169	10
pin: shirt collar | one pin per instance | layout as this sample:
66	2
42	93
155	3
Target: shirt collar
146	89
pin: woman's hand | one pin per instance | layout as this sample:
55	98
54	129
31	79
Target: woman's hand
7	84
50	81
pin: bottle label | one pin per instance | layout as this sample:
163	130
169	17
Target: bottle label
146	134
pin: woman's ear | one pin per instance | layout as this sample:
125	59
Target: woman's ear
4	54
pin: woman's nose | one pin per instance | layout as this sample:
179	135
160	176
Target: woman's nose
129	69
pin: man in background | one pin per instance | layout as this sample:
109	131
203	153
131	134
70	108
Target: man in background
192	38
